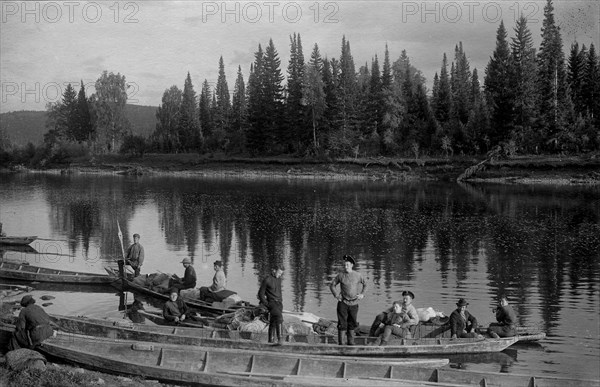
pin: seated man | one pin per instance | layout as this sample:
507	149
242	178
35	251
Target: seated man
189	277
462	323
397	323
32	327
207	293
507	320
175	309
407	307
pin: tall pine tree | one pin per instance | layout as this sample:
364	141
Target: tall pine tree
552	82
205	115
189	126
523	85
498	89
239	114
222	111
297	134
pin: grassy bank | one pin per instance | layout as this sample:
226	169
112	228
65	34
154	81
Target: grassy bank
524	169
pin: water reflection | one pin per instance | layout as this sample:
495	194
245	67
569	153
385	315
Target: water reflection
540	245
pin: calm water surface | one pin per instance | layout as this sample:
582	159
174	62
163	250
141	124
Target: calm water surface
540	245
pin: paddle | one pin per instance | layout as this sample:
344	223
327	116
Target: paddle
121	272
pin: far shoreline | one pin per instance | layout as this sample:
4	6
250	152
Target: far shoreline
523	170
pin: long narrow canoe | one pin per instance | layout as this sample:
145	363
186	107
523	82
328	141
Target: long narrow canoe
307	344
25	272
212	366
17	240
213	309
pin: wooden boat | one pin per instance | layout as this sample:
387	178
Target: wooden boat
17	240
213	309
26	272
212	366
308	344
524	333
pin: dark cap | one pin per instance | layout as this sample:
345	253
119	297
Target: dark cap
278	266
462	302
173	290
219	263
408	293
27	300
348	258
136	235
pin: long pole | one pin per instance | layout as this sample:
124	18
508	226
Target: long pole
121	263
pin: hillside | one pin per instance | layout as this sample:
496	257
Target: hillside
25	126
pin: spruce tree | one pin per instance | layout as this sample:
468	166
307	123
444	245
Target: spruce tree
70	111
205	114
222	111
190	136
330	77
461	85
257	132
443	104
273	103
347	90
575	75
591	89
552	82
84	127
523	83
314	93
297	134
239	116
498	89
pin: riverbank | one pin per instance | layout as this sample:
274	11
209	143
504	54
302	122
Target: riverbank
572	170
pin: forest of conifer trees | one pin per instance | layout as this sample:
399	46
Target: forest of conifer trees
530	101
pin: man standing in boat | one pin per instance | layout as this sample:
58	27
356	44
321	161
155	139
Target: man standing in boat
352	289
507	320
270	296
135	255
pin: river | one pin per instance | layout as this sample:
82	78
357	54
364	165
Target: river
538	244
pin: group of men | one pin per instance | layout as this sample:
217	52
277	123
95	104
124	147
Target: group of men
395	321
175	309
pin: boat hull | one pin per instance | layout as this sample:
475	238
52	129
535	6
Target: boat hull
22	272
307	344
17	241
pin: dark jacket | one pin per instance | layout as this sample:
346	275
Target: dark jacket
505	315
458	324
189	278
174	309
270	290
33	324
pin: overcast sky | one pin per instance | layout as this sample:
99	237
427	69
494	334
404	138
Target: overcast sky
44	45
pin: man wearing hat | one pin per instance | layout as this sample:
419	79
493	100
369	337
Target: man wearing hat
270	296
219	282
175	309
135	255
409	314
352	289
189	276
462	323
32	327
